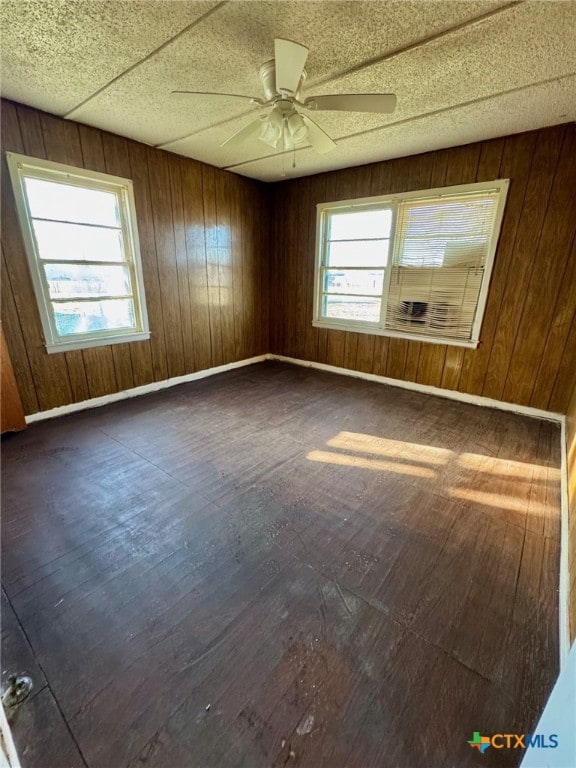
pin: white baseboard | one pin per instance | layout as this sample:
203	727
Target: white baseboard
155	386
462	397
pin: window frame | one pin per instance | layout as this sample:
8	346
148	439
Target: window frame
22	167
392	202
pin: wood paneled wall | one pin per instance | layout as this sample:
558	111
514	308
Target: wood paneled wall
527	353
205	253
212	273
571	455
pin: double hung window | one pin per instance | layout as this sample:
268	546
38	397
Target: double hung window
80	234
415	265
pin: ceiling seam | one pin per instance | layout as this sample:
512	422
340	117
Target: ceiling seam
422	116
423	42
148	56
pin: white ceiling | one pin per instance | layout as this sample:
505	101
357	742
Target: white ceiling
463	70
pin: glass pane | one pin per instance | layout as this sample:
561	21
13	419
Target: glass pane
352	308
68	281
355	225
77	242
354	281
65	202
360	253
88	316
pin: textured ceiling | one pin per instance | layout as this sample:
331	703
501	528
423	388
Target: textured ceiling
463	70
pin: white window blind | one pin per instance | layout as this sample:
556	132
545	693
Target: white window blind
438	264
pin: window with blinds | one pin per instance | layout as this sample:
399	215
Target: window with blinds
79	229
416	265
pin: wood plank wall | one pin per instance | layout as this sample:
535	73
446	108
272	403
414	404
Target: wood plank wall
204	237
571	455
207	256
527	353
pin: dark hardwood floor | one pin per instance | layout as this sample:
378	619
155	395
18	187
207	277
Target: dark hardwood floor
280	567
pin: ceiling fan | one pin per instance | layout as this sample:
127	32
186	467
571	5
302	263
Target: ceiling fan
284	126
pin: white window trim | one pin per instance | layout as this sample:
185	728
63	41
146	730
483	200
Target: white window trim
391	201
21	166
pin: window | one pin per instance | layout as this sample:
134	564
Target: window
415	265
81	240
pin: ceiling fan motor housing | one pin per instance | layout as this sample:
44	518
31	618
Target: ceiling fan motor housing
268	79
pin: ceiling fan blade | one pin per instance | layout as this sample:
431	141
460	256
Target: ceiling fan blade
319	139
244	133
229	95
354	102
290	60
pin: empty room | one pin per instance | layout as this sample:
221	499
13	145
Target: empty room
288	395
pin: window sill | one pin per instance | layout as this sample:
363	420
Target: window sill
375	331
102	341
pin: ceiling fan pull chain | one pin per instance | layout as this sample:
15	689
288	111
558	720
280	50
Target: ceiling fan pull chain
294	157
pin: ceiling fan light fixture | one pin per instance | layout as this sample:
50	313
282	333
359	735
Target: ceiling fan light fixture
297	128
272	129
